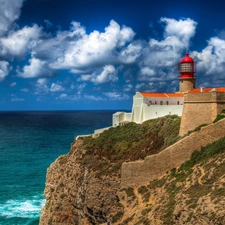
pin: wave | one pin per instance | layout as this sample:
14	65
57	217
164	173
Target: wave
22	208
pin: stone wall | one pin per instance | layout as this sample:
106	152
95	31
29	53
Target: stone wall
186	84
200	108
139	173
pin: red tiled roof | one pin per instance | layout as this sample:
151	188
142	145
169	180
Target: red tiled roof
162	95
222	89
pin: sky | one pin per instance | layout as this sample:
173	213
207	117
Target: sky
95	54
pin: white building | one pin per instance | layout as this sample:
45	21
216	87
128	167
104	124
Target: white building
148	105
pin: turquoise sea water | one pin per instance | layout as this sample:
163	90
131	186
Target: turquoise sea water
29	143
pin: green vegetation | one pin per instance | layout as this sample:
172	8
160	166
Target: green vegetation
205	153
192	131
220	116
196	190
129	192
130	142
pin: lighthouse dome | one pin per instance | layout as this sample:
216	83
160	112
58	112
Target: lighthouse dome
187	59
187	66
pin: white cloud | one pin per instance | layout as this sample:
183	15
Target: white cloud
107	75
80	88
116	96
19	43
13	84
42	81
37	68
94	98
42	87
128	87
16	99
9	12
183	29
82	50
212	58
56	88
131	53
4	69
66	97
160	58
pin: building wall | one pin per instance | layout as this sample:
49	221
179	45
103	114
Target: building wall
141	172
200	108
145	108
163	101
121	117
155	111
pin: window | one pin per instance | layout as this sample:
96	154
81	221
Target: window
161	102
178	103
167	102
186	67
155	102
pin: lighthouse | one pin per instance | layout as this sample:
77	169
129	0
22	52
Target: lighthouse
187	69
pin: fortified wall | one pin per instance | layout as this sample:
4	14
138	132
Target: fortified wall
139	173
200	108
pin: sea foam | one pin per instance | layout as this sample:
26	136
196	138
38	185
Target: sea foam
22	208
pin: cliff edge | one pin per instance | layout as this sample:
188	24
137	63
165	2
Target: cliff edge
84	186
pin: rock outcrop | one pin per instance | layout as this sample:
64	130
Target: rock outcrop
75	195
83	187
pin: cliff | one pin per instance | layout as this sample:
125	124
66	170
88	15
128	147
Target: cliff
83	187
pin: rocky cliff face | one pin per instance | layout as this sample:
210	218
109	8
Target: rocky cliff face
83	187
76	194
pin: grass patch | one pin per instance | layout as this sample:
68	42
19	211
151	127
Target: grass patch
157	183
220	116
134	141
142	190
129	191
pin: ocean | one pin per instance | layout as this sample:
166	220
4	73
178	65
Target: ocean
29	143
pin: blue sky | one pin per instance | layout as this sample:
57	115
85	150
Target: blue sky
95	54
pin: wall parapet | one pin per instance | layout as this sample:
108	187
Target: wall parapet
141	172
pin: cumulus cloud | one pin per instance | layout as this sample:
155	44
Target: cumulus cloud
4	69
108	75
131	53
9	12
13	84
101	58
79	50
183	29
161	57
19	43
41	86
116	96
211	63
212	58
37	68
67	97
56	88
93	97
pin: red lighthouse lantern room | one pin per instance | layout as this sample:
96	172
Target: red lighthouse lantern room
187	67
187	70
